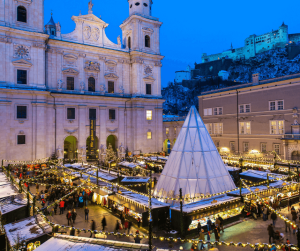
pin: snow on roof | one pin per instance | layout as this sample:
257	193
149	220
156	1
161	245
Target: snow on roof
205	203
128	164
27	229
136	179
103	175
194	164
261	175
77	166
65	242
231	168
9	205
7	190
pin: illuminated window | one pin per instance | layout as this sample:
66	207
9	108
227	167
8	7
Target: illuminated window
263	147
277	148
246	147
218	128
209	128
232	146
149	135
277	127
167	130
149	115
245	128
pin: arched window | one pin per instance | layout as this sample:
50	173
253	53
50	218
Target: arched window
147	41
91	83
129	42
21	14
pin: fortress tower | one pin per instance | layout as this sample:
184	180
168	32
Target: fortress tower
142	7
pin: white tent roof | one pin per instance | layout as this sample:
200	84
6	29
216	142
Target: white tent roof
194	164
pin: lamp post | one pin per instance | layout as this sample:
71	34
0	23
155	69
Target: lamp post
181	214
150	216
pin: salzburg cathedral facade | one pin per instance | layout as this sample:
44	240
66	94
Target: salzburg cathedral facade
76	93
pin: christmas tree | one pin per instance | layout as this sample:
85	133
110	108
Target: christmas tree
110	154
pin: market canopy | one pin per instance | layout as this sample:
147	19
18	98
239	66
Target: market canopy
194	164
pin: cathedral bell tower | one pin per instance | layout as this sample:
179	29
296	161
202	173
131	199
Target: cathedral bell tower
140	7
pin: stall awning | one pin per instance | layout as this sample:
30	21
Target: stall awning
254	175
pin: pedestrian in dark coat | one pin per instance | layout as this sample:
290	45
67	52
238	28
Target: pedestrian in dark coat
103	222
93	228
117	226
199	227
217	234
74	215
69	217
270	232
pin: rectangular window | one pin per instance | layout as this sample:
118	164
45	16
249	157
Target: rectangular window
209	128
245	128
21	140
246	147
112	114
70	83
21	77
276	105
149	135
245	108
21	112
207	112
218	128
277	127
217	144
167	130
111	87
149	115
92	113
232	147
148	89
263	147
277	148
71	113
218	110
175	130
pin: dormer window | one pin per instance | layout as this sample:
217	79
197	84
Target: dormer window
130	6
137	4
146	5
21	14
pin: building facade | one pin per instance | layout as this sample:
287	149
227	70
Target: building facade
53	84
256	119
255	44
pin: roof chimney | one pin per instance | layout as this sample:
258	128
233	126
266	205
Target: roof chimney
255	79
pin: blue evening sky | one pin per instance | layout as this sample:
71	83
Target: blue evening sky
190	27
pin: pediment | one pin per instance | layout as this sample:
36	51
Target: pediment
70	71
90	18
111	75
149	79
70	57
21	63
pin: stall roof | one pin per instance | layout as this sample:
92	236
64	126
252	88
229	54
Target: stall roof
27	229
136	179
128	164
231	168
9	204
75	243
103	175
6	188
255	174
205	203
77	166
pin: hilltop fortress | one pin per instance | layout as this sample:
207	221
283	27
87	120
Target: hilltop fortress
257	44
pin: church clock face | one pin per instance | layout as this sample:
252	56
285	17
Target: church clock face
21	52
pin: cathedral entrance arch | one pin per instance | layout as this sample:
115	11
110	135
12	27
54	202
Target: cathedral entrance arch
167	146
296	155
70	148
92	148
112	139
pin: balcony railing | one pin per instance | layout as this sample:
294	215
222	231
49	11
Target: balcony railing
168	119
291	136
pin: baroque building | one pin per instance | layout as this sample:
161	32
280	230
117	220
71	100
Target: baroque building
53	84
256	44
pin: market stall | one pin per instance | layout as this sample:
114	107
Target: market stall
13	208
256	176
229	208
137	183
135	206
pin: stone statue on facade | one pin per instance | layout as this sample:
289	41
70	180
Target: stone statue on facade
295	116
59	153
59	84
119	40
82	87
102	88
58	27
121	88
90	7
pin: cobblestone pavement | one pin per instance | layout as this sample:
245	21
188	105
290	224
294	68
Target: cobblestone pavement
249	230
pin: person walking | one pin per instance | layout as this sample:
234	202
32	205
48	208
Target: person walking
139	222
274	218
74	215
137	238
208	239
199	227
55	208
294	227
221	224
201	238
265	213
129	226
287	225
93	228
103	222
271	233
217	234
69	217
86	213
61	207
117	226
208	223
217	224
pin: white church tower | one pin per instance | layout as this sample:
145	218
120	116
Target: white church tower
141	38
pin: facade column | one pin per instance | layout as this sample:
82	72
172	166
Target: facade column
82	126
102	122
40	130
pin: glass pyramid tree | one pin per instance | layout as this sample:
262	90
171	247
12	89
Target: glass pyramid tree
194	164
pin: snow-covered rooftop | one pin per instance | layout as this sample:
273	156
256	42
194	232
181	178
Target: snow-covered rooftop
205	203
103	175
128	164
9	205
27	229
65	242
136	179
261	175
6	188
